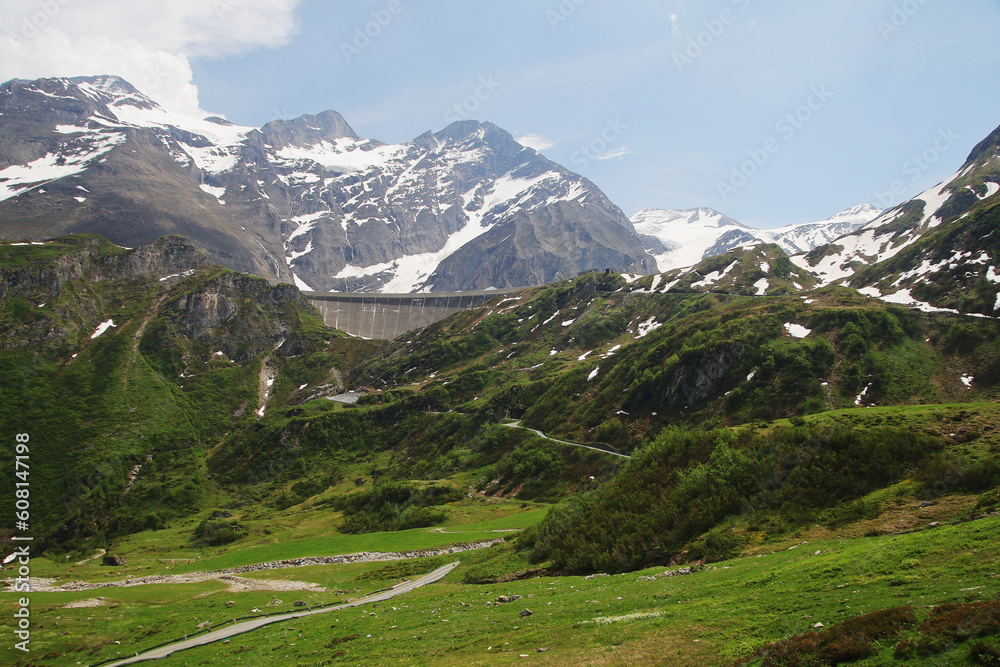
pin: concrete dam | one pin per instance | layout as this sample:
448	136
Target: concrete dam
388	316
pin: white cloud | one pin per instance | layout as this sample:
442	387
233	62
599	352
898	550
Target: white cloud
673	24
619	152
148	42
536	141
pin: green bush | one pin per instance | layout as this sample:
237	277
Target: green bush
674	498
392	506
216	532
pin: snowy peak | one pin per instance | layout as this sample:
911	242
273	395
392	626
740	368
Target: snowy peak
653	219
899	228
937	251
684	238
860	213
805	237
308	130
112	91
305	200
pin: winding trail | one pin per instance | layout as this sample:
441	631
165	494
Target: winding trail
596	448
249	626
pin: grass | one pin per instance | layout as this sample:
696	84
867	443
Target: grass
724	613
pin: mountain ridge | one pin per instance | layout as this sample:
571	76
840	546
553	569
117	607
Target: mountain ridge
305	201
683	238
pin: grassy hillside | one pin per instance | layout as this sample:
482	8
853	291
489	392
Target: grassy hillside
198	434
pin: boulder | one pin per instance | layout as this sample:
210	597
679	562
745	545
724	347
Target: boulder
113	561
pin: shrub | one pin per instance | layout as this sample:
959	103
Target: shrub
391	506
216	532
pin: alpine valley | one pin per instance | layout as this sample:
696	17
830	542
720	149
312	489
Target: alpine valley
685	441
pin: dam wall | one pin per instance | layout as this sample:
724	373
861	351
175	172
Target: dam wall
388	316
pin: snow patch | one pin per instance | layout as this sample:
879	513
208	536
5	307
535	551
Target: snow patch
904	298
593	374
215	192
101	328
648	327
177	275
301	284
345	154
19	178
861	396
715	276
967	380
797	330
762	286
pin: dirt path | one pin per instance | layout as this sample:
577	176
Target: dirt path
249	626
230	576
100	552
605	449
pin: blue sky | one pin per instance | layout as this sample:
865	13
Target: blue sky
771	112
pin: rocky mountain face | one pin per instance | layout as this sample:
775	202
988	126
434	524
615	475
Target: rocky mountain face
680	239
63	290
306	200
937	251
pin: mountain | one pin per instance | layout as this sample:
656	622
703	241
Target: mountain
936	251
177	419
754	270
806	236
683	238
305	200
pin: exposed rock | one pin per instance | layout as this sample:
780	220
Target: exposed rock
672	573
113	561
504	599
526	613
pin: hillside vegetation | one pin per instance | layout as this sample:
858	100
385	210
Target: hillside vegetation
181	412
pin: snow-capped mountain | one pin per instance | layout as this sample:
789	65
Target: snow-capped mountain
684	238
306	200
806	236
940	250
